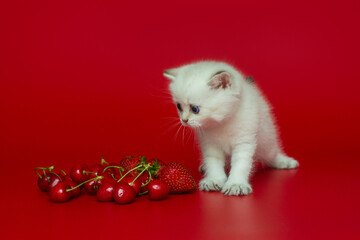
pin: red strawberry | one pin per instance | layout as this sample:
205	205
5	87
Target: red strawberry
156	165
177	178
161	163
129	163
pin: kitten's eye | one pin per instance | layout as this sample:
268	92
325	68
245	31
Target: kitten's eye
179	107
195	109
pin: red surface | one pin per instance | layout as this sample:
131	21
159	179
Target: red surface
82	79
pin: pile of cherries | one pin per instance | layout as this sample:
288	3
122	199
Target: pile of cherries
108	181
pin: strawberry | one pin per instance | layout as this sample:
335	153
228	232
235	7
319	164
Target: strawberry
158	164
177	178
129	163
154	165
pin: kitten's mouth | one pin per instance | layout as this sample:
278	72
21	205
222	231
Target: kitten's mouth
185	124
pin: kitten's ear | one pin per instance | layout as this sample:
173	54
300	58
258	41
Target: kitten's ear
220	80
171	73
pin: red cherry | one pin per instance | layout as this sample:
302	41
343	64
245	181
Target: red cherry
107	178
66	178
58	193
95	169
77	173
62	174
75	192
158	190
136	185
46	183
123	193
118	173
105	192
110	171
143	180
91	187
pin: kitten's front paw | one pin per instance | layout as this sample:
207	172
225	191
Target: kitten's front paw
211	184
236	189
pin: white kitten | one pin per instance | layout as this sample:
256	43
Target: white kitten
232	119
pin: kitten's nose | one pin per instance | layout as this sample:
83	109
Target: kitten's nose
185	120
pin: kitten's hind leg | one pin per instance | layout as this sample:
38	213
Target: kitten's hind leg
282	161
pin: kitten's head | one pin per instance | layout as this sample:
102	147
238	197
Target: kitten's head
205	93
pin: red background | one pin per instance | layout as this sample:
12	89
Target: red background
82	79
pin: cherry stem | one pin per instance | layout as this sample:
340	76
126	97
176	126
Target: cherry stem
128	172
38	173
148	181
146	168
46	176
63	172
89	172
103	161
143	193
57	176
120	168
96	178
44	168
113	177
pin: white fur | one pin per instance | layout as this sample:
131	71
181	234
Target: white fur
233	122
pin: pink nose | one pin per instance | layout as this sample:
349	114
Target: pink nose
185	120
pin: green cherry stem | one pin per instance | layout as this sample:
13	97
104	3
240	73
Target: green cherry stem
120	168
44	168
143	193
96	178
146	168
41	168
89	172
148	181
113	177
57	176
128	172
38	173
103	161
63	172
45	175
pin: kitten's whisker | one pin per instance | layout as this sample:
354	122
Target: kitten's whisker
172	122
189	135
164	94
194	145
183	138
172	118
177	132
171	127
